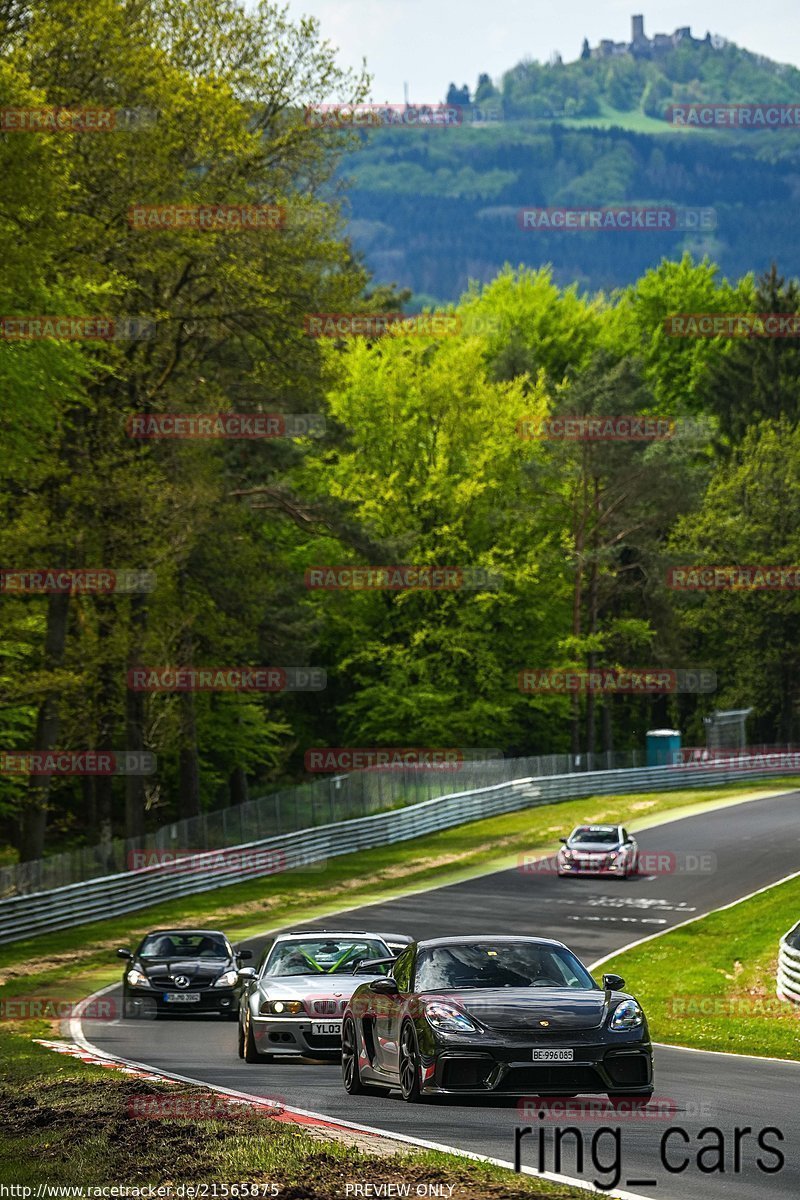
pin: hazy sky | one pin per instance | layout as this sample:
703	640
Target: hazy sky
429	43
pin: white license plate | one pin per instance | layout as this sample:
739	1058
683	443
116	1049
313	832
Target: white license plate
181	997
553	1055
325	1028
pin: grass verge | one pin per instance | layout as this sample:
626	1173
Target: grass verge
65	1122
726	963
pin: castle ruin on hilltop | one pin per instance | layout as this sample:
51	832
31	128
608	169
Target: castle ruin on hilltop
641	46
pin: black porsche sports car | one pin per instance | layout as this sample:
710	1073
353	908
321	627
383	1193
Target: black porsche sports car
506	1015
182	970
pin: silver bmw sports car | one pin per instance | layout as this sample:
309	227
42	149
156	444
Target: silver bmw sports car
293	1003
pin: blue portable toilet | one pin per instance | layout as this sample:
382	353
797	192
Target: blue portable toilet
663	747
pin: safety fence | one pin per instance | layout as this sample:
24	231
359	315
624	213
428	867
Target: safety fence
303	806
25	915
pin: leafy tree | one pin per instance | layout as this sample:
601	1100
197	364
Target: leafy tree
458	95
759	377
750	516
614	501
433	470
227	86
485	89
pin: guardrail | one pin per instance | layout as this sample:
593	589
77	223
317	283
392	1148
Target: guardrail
315	802
789	966
81	903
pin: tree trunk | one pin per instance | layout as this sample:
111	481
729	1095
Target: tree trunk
608	724
238	786
591	658
135	792
34	814
189	764
577	600
189	787
107	720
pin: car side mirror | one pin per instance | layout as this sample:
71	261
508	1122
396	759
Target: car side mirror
384	987
246	973
564	840
124	953
244	954
613	983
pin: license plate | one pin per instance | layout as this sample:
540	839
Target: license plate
553	1055
325	1028
181	997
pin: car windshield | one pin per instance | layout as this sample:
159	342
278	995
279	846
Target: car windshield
606	837
184	945
322	956
498	964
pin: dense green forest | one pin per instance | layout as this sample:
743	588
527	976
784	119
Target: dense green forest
432	209
421	462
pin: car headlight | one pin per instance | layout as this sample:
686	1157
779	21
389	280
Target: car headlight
627	1015
281	1008
612	857
137	978
566	855
449	1019
227	979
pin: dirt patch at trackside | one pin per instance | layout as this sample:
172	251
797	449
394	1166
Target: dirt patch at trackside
134	1132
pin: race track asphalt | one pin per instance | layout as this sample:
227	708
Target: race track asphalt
750	845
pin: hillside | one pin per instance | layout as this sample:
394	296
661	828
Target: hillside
430	209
